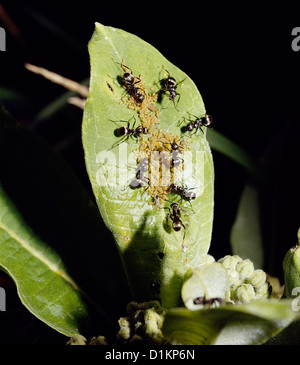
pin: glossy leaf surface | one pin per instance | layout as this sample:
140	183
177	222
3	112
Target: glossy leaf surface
152	252
243	324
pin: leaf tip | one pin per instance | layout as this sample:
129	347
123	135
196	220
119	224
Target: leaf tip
98	26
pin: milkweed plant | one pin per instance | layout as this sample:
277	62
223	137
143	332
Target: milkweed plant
149	162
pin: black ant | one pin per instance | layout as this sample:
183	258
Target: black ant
175	146
176	152
129	82
182	191
175	161
175	216
207	302
129	132
140	178
169	84
198	123
140	181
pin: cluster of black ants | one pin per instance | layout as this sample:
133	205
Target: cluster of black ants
168	86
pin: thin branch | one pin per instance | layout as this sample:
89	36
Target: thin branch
60	80
75	100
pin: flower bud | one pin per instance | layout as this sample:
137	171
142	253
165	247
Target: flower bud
77	340
125	330
230	263
245	293
246	284
98	341
143	324
291	269
263	292
257	279
153	324
245	269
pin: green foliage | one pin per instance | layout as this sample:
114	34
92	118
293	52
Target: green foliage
140	229
241	324
246	239
50	235
59	252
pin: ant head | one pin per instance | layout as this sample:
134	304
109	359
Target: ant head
128	77
174	146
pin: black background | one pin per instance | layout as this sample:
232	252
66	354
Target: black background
238	54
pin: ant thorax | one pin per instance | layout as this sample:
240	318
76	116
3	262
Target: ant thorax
169	83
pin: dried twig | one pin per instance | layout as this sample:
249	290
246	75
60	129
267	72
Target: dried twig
60	80
75	100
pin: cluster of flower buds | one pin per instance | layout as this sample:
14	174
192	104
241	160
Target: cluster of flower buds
246	283
143	324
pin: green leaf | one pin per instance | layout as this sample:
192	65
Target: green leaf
139	228
246	239
244	324
289	336
51	237
43	284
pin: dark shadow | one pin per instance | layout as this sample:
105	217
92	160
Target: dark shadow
143	259
54	204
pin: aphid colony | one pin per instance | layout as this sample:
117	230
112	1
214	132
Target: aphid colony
157	177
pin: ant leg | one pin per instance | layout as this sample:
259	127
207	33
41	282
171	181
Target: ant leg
191	206
117	143
176	103
133	123
123	65
180	81
183	247
166	71
168	219
139	80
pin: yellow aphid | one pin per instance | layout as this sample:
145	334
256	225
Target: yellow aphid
161	170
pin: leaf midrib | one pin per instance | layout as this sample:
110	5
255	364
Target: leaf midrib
52	266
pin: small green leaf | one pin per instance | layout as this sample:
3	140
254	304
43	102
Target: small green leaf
140	229
245	237
243	324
